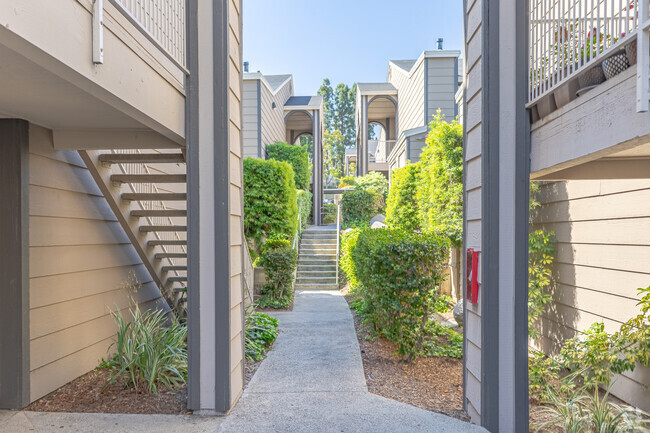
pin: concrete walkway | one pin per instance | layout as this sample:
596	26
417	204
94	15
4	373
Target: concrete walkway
312	381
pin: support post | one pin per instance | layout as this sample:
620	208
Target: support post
317	158
208	171
14	264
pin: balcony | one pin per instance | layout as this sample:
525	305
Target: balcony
83	68
589	66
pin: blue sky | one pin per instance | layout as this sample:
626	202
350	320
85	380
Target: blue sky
344	40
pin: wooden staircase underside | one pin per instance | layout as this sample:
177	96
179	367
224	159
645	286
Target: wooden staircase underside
146	191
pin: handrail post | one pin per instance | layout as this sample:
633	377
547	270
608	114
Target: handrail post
338	235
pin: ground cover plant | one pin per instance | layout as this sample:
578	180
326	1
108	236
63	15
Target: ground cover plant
279	262
261	331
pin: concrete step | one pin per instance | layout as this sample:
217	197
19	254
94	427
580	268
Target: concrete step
313	251
316	274
316	280
302	267
317	256
320	231
318	242
312	262
306	235
316	287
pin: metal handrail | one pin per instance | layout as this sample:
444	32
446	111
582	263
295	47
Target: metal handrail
338	241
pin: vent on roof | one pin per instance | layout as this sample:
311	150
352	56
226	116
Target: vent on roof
439	42
245	66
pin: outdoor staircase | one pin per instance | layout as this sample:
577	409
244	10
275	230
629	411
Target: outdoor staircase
146	190
317	260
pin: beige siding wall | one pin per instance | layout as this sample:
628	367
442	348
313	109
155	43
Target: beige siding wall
236	205
79	259
603	241
442	81
249	109
273	126
473	144
410	101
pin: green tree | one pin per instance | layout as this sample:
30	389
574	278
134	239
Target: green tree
333	147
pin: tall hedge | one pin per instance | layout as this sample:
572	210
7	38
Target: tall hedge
294	155
359	206
376	182
398	274
270	201
440	183
402	205
305	207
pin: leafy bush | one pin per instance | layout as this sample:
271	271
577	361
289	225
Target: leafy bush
356	224
399	274
440	183
261	331
541	253
296	156
359	205
270	201
279	262
402	205
329	213
150	351
373	181
348	242
347	182
304	207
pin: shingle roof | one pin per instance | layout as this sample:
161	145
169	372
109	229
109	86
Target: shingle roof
375	87
407	65
308	101
276	81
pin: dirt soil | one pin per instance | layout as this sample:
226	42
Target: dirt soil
84	394
434	384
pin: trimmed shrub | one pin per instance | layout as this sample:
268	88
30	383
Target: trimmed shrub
270	201
304	207
398	274
348	242
402	205
279	262
359	205
376	182
329	213
440	184
294	155
347	182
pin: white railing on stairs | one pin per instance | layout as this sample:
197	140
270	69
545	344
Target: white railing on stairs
338	239
567	37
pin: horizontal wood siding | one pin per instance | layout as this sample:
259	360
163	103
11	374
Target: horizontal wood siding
80	259
473	203
410	100
235	204
249	109
603	241
442	84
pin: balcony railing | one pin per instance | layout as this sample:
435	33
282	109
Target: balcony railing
567	37
384	148
162	21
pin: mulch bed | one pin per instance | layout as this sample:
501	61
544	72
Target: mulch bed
85	394
434	384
